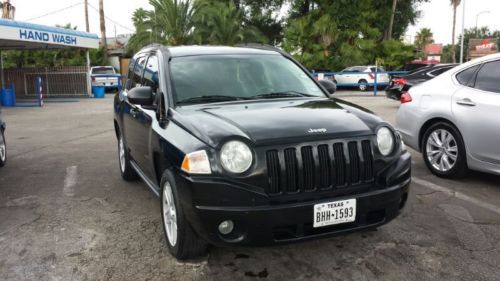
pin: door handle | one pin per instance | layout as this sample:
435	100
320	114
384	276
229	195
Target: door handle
466	102
134	112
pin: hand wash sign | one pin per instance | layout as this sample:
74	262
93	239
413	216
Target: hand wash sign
41	36
29	35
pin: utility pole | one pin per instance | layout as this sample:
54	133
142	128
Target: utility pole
103	28
87	16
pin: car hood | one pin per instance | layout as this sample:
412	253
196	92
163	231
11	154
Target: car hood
264	122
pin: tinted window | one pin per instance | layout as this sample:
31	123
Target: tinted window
241	76
488	77
103	70
465	77
138	71
130	74
151	74
440	70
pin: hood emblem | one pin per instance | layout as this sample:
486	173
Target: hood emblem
319	130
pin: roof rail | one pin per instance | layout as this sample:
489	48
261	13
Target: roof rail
261	47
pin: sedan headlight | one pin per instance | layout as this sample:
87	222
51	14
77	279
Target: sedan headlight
236	157
385	140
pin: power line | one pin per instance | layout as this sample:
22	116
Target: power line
111	20
56	11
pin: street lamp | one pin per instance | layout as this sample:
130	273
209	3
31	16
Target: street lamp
477	18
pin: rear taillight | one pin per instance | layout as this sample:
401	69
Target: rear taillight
400	82
405	97
371	75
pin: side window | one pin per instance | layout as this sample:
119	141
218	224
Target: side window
439	71
488	77
151	74
130	74
465	77
138	72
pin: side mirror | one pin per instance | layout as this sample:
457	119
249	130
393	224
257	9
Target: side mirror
141	95
329	85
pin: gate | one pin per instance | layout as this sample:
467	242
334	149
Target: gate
64	81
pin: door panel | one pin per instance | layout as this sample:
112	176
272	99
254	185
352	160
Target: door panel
476	113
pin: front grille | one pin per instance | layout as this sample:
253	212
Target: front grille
319	167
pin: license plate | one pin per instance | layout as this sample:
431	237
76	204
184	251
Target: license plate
334	213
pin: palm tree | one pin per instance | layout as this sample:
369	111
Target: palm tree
423	37
173	20
455	4
222	24
391	21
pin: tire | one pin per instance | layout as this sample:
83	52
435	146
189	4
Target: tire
128	173
186	244
444	156
3	149
363	85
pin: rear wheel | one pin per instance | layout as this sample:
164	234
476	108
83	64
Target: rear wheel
128	173
363	85
3	149
444	151
182	240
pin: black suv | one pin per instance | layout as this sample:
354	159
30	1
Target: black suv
244	147
3	144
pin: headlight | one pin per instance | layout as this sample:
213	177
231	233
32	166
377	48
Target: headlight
196	163
236	157
385	140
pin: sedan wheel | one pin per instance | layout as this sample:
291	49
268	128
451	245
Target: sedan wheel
3	149
444	151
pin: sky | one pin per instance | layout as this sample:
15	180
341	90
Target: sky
436	15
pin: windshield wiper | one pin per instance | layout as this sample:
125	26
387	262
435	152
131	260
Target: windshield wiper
213	98
285	94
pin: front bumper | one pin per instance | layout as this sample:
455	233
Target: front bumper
260	223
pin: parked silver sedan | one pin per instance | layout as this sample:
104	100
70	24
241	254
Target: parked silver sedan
454	119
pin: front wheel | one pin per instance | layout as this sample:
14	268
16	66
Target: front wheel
3	149
444	151
182	241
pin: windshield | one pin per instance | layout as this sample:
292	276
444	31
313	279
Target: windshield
103	70
214	78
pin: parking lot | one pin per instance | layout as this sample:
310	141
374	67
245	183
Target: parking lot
66	214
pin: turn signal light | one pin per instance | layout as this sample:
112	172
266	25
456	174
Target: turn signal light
400	82
405	97
196	163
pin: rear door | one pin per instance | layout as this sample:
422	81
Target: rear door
476	106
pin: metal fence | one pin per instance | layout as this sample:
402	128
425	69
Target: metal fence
65	81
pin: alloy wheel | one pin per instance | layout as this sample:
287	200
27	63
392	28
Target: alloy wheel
442	150
121	152
3	148
169	214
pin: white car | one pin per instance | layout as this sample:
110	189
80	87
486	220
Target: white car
452	119
361	77
104	76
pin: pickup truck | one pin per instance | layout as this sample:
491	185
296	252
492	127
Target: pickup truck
104	76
